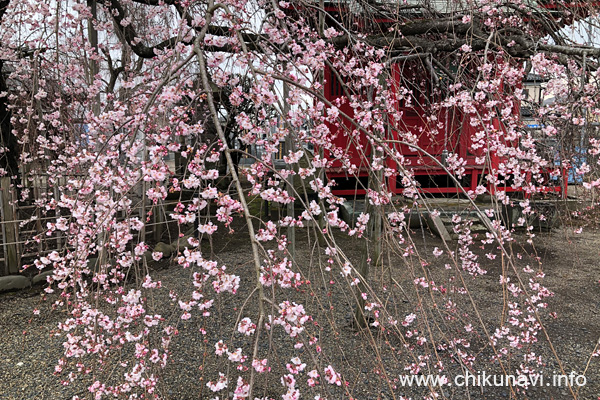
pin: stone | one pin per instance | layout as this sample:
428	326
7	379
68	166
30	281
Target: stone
14	282
181	243
41	277
148	256
439	227
165	249
94	266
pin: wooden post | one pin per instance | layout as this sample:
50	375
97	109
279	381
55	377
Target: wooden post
37	188
289	146
58	232
159	222
10	232
143	209
4	241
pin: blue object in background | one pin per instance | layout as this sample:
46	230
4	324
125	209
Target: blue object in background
577	160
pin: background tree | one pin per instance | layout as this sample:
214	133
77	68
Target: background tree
9	159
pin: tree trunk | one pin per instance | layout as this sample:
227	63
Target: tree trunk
9	160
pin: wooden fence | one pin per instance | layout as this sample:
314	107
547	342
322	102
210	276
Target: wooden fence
23	223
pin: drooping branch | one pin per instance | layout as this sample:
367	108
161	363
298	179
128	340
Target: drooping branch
252	41
129	34
3	6
434	35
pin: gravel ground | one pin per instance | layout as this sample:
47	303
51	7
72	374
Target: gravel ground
29	350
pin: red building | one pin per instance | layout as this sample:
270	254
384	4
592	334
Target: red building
441	132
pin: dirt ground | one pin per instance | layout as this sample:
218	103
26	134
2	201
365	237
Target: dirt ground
370	360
